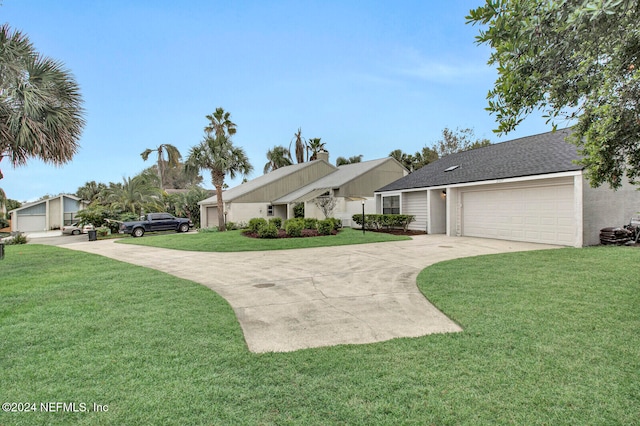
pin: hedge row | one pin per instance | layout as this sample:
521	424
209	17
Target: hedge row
377	221
293	227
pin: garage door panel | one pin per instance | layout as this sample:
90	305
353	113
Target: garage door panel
543	214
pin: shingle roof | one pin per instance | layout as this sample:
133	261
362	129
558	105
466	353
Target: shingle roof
343	175
532	155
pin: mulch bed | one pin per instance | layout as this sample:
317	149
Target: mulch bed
283	234
408	232
314	233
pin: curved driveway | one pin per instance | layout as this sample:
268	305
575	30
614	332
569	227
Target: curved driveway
304	298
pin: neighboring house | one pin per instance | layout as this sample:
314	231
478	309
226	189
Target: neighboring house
47	214
527	189
276	193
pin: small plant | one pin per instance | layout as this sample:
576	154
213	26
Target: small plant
17	238
326	204
103	231
212	229
276	221
325	227
335	222
310	223
256	223
298	210
294	227
268	231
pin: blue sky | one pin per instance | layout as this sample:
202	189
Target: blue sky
367	77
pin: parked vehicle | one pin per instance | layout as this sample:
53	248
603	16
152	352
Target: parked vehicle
155	222
76	229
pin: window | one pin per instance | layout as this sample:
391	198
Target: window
269	210
391	205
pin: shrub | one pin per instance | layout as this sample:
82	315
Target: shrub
294	227
103	231
16	238
376	221
298	210
276	221
256	223
212	229
325	227
268	231
310	223
3	223
335	222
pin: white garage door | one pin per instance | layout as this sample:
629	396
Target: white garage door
212	217
31	223
543	214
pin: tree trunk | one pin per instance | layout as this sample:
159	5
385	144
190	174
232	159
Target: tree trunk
217	179
221	225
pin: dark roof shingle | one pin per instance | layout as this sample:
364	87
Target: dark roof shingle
532	155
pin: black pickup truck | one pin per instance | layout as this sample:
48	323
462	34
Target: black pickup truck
155	222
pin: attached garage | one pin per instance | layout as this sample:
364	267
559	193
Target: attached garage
539	214
46	214
529	189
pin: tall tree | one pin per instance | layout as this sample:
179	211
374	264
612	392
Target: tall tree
314	146
277	157
457	141
341	161
217	154
407	160
41	111
135	195
576	61
220	123
300	145
91	191
172	161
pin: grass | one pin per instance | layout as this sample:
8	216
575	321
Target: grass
551	337
232	241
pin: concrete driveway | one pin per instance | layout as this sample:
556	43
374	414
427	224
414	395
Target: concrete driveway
305	298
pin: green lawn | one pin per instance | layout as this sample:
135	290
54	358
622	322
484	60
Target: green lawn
551	337
232	241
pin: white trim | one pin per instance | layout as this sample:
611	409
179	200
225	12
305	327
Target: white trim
578	209
488	182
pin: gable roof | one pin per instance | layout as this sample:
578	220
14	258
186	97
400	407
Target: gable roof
44	200
261	181
343	175
532	155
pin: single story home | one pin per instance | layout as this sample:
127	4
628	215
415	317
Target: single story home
275	194
527	189
47	214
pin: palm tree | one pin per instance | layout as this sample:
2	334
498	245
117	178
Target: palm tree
41	111
407	160
341	161
278	157
134	195
173	159
90	191
219	156
315	146
220	123
301	146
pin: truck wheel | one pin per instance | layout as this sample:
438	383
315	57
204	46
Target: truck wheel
138	232
184	227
